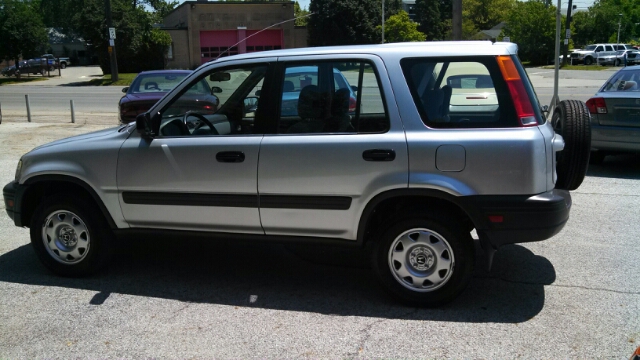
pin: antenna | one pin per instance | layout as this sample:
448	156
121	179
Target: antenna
256	33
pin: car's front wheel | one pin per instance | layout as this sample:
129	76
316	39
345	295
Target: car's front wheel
63	65
70	237
588	61
424	260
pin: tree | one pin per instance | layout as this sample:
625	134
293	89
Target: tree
23	33
340	22
429	19
485	14
399	28
532	26
298	13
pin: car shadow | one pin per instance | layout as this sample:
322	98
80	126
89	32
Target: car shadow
310	279
625	166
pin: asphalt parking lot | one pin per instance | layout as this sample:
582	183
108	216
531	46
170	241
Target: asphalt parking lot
576	295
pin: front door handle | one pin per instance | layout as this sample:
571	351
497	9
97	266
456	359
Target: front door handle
230	156
379	155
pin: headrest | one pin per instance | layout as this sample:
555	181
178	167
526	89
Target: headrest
288	86
311	103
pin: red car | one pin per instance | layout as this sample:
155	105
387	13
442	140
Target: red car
150	86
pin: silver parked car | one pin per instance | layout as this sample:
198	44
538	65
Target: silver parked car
630	56
433	141
615	115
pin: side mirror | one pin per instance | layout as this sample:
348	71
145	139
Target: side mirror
124	90
354	88
545	110
143	125
215	90
250	104
258	93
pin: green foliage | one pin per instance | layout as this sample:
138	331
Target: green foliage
22	31
600	23
399	28
429	19
340	22
532	26
298	13
485	14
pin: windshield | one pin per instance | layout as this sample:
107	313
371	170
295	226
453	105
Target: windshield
590	47
146	83
627	80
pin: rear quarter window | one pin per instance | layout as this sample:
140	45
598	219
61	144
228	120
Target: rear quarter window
460	92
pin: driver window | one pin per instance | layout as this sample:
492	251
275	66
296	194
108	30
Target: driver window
222	102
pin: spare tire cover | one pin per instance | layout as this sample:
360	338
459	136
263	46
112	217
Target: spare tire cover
571	119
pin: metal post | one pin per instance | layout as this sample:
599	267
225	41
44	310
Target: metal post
382	21
619	21
555	99
26	96
73	113
456	19
568	31
112	49
0	113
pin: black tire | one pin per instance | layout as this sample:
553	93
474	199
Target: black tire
63	65
588	60
597	157
571	119
434	244
66	222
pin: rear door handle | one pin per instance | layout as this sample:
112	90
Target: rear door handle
379	155
230	156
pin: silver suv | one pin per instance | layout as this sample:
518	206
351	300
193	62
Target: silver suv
404	149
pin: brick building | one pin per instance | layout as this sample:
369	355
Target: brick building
203	30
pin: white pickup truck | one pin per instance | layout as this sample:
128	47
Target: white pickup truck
591	53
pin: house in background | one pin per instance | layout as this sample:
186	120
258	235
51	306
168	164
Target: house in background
491	34
73	47
205	30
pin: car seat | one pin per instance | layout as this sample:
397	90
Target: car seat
288	86
340	121
151	86
436	103
311	110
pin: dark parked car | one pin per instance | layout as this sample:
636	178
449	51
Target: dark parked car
615	115
150	86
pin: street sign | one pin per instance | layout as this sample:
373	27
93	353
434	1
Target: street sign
568	33
109	49
566	41
111	42
112	33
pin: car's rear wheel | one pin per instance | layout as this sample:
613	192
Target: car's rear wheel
63	65
571	120
69	236
424	260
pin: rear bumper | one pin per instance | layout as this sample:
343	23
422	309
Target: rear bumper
514	219
615	138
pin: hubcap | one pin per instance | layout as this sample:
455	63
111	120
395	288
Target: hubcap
65	237
421	260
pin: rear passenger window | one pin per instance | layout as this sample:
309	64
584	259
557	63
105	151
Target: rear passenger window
331	97
459	93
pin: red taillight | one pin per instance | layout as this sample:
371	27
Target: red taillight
597	105
352	104
519	94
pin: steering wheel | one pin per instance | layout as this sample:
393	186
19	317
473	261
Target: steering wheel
203	120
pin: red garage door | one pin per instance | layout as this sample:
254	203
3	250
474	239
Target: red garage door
219	43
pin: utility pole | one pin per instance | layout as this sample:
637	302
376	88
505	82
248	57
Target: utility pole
382	21
112	42
568	34
619	22
456	19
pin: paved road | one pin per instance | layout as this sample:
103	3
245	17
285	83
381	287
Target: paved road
576	295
